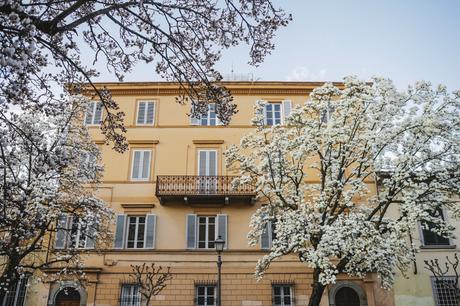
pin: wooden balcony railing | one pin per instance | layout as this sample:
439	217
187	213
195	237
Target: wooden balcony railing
195	185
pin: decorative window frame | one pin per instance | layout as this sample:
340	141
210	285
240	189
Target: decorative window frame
57	287
340	284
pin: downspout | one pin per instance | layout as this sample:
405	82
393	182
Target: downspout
95	289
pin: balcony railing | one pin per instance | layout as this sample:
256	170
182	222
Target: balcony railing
171	187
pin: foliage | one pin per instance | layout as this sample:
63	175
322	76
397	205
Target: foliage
48	167
47	44
317	176
150	279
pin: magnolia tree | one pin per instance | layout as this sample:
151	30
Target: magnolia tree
43	42
315	177
48	213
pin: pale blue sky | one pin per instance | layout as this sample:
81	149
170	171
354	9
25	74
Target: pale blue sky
406	40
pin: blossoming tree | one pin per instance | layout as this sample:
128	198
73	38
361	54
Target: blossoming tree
316	177
47	44
49	215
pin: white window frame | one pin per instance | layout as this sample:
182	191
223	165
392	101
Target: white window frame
281	112
78	236
141	164
435	246
436	294
208	118
136	230
93	112
207	241
206	295
131	295
207	164
282	286
145	113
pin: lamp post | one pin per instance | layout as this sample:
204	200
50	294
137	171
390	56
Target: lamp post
219	243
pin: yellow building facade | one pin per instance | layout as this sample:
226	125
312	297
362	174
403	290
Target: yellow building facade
171	195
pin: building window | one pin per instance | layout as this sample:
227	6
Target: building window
273	113
326	114
206	232
130	295
267	236
16	297
94	113
71	232
282	295
203	230
81	235
206	295
141	165
210	118
444	291
136	232
145	113
431	238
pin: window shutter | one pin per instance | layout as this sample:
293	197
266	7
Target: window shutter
150	112
146	165
222	228
287	106
191	231
265	113
193	120
136	164
212	163
120	232
151	226
141	113
61	231
202	163
98	113
89	113
265	238
90	236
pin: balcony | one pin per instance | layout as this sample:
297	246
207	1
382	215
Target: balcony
202	190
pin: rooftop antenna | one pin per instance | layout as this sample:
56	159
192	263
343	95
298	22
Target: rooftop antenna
231	73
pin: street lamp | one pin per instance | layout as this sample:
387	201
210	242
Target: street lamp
219	243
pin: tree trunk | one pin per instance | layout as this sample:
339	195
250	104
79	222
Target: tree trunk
317	289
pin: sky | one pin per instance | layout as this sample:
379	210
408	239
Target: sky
405	40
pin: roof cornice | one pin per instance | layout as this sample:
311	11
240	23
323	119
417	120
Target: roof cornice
236	88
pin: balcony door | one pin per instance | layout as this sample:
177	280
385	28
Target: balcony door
207	170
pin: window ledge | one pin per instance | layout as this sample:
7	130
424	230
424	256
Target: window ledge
437	247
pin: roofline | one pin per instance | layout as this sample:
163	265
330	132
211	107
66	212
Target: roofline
235	87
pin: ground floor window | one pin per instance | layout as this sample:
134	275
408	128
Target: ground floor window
205	295
130	295
444	291
16	297
283	295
